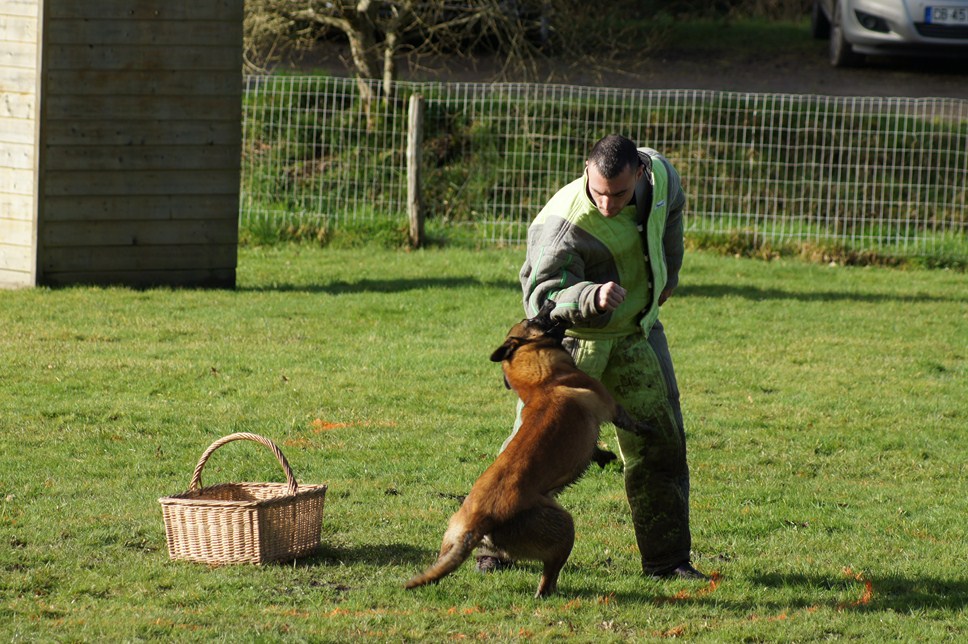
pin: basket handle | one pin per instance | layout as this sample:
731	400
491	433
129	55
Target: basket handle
197	475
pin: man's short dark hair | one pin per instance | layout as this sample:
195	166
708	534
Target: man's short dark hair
612	154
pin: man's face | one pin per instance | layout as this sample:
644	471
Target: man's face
611	195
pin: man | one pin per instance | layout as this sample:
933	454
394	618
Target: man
607	249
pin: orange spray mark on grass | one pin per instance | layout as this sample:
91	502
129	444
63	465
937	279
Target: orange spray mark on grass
320	425
684	595
369	612
868	593
675	631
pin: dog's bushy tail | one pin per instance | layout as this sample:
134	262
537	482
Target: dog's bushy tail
457	547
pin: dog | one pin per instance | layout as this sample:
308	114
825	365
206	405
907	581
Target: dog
513	500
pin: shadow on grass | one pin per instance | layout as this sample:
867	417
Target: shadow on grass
895	593
860	592
756	294
383	285
383	554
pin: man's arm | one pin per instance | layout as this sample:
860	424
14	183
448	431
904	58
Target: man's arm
555	269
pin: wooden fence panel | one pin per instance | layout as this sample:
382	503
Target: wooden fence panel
18	105
142	132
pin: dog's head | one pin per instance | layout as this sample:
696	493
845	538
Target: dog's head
541	330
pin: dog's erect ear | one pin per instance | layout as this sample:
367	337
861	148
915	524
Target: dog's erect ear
504	351
544	321
544	315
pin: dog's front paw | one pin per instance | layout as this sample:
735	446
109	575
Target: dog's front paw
629	424
644	429
603	457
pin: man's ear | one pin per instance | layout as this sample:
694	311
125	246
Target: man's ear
504	351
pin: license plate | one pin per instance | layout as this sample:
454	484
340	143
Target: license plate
946	15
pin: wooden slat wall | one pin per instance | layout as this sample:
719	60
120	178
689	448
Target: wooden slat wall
141	130
18	98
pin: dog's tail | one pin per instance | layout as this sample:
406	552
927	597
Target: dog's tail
457	547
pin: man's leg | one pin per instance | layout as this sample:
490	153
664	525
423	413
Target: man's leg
640	376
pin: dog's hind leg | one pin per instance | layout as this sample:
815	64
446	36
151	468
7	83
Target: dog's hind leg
545	533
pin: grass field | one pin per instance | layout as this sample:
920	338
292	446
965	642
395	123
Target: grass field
826	409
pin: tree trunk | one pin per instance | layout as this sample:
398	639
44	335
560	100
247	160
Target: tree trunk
365	51
389	64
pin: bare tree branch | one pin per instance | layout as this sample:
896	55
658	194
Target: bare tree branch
521	33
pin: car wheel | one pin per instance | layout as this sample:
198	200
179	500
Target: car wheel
842	54
819	24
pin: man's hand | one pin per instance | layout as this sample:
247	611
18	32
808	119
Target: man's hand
609	296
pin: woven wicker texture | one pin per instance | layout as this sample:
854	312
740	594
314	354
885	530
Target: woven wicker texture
243	522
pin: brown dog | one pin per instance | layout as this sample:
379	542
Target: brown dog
513	500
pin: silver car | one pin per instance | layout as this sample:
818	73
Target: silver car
857	28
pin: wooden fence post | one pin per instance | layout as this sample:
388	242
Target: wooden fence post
414	146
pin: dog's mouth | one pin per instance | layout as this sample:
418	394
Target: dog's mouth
550	327
557	331
539	329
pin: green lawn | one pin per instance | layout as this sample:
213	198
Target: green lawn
826	409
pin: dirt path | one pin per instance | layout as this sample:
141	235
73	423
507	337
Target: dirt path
789	74
676	69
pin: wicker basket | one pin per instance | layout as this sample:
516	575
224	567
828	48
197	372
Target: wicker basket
243	522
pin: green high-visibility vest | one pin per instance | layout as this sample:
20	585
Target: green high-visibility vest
654	223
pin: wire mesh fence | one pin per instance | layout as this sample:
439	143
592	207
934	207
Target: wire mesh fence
881	174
